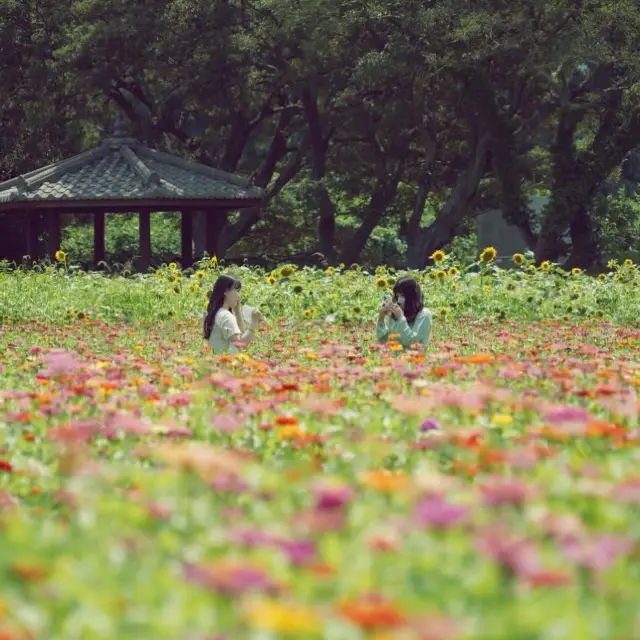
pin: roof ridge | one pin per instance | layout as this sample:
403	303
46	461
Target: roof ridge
150	177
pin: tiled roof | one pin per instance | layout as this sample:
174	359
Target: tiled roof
120	168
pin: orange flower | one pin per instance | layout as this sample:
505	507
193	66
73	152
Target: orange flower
478	358
28	571
291	432
384	481
285	420
372	612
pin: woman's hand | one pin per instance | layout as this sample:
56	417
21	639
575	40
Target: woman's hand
396	310
256	317
384	312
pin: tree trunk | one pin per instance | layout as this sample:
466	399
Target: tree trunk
380	200
319	145
578	177
278	149
424	242
585	248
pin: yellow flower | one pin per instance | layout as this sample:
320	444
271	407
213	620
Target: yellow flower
602	276
454	271
288	619
628	262
194	288
329	270
518	258
502	419
575	271
214	262
532	268
545	266
271	280
173	266
381	283
440	274
60	255
488	255
199	275
439	256
306	314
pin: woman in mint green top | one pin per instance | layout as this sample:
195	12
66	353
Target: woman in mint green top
405	316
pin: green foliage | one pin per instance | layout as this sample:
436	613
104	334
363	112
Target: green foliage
122	239
618	216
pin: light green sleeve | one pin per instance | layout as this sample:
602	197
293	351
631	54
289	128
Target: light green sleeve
418	333
382	331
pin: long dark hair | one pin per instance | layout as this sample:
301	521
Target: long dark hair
413	300
216	300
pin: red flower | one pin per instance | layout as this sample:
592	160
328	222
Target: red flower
5	465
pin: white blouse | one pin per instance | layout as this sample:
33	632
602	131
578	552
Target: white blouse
225	327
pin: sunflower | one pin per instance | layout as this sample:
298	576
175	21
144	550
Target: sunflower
286	271
297	288
517	258
532	268
271	280
214	262
440	274
602	276
60	255
329	270
199	275
306	313
576	271
439	256
454	271
488	255
173	266
545	266
194	288
628	262
381	283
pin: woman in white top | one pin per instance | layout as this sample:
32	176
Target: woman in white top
224	326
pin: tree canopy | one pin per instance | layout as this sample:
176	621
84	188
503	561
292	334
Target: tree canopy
461	105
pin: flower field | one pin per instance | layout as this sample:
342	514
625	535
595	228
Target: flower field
319	485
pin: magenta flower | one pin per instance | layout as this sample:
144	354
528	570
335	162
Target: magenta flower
332	496
429	425
439	514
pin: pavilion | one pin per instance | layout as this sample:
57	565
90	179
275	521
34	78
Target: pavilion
121	175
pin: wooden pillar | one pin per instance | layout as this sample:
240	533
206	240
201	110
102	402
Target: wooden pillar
98	238
54	233
186	229
145	239
32	228
214	223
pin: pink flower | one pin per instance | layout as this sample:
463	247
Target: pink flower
437	513
518	556
226	423
230	578
597	554
505	491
